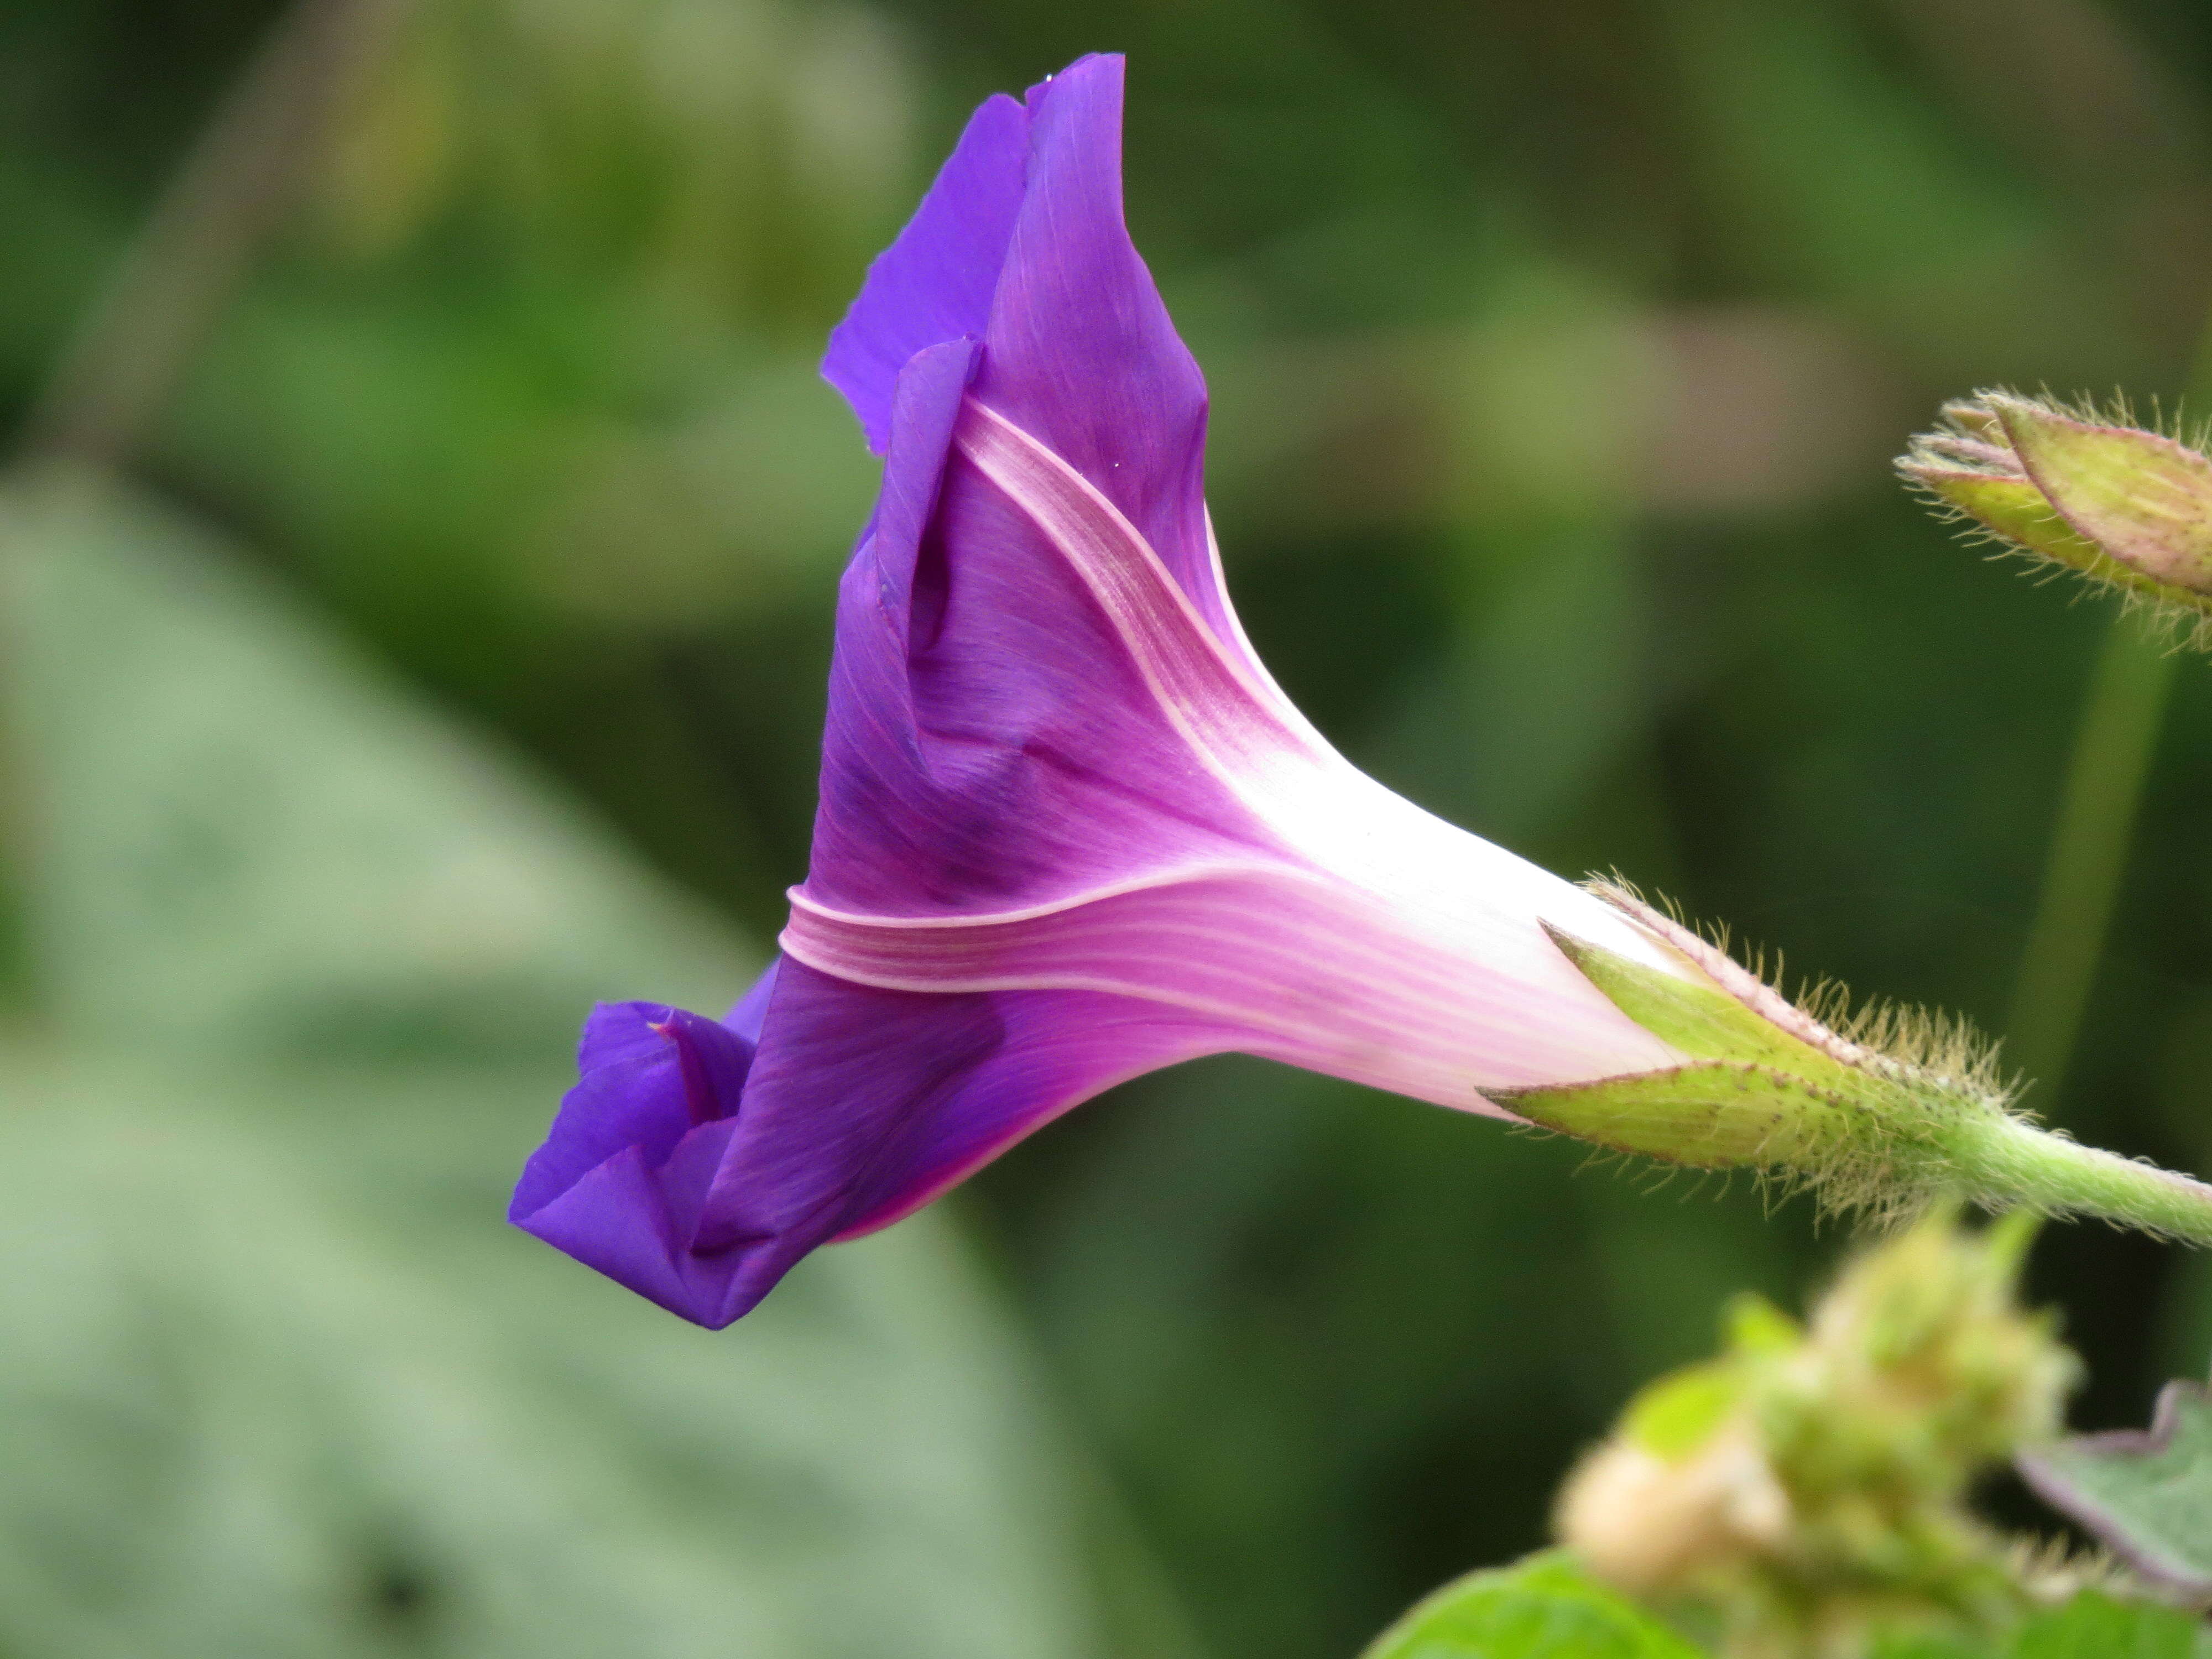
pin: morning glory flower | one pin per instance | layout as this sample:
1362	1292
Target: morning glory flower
1070	830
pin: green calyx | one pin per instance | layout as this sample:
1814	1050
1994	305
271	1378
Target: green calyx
1882	1111
2124	506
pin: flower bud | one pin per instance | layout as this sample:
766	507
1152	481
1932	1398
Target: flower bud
1809	1485
2127	507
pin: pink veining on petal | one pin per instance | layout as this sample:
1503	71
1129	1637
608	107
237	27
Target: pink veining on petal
1206	689
1309	970
1070	827
1362	947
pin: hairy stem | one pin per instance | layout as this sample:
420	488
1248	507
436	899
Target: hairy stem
2001	1160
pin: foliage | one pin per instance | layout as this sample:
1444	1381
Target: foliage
1546	1607
2147	1495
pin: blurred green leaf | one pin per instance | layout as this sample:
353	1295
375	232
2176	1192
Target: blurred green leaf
278	1378
1544	1608
2095	1626
243	1416
2146	1495
242	835
2090	1627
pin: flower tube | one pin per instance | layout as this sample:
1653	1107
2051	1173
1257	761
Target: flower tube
1070	830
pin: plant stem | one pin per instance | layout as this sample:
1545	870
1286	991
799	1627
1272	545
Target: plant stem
2113	744
2003	1161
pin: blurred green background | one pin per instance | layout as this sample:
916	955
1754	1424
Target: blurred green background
429	638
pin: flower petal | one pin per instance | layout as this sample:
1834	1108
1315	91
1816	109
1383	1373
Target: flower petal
1080	350
997	734
935	282
649	1074
1298	966
862	1105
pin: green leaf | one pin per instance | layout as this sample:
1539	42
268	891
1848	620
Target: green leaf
248	837
1542	1609
2148	1495
254	1402
2095	1626
2090	1627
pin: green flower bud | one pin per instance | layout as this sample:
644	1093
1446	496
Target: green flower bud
1808	1487
2124	506
1879	1109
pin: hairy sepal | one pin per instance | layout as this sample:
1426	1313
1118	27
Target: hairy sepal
1713	1116
1770	1088
2126	508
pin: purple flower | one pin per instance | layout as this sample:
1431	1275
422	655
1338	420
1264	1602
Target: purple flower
1070	830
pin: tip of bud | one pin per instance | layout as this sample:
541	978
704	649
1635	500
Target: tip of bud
2126	505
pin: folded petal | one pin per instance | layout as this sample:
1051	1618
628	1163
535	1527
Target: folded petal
998	731
862	1104
935	282
649	1074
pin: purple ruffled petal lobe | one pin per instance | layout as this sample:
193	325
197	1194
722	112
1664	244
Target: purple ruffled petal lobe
632	1219
935	282
861	1105
866	1102
649	1076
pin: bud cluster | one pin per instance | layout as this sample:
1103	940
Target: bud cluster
1807	1487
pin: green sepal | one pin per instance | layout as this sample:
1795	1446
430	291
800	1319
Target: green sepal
1543	1608
1714	1115
2016	510
2138	496
1702	1020
2145	1494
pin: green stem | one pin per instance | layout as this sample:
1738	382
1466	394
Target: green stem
2113	744
2003	1161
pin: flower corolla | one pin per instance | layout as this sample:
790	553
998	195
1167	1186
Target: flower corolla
1070	830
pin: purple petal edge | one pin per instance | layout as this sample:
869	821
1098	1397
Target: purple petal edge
935	281
861	1105
648	1075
